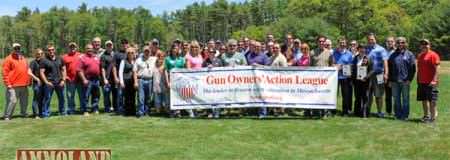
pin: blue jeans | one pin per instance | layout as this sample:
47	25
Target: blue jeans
262	111
71	89
160	100
38	96
92	90
400	92
117	98
107	88
145	92
48	92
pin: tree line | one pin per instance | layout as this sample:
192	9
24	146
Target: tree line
221	20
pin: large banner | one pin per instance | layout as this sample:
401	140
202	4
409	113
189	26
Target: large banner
248	86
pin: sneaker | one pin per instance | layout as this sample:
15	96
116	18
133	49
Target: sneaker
425	119
37	117
261	116
7	119
191	114
96	112
210	115
432	120
86	114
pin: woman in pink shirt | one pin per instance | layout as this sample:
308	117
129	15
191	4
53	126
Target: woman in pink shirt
194	60
305	60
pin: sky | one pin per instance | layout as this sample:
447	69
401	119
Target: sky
157	7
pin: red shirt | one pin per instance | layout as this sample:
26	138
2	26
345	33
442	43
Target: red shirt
90	65
427	65
15	71
71	61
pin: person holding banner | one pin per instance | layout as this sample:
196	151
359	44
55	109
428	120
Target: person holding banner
320	57
258	58
213	61
362	69
173	60
379	58
129	81
194	61
278	60
343	61
233	57
305	58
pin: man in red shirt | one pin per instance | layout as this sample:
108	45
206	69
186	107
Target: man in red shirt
89	72
427	78
71	61
16	79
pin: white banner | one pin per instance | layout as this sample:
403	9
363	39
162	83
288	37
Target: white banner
248	86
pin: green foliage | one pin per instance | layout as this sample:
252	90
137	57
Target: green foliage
221	20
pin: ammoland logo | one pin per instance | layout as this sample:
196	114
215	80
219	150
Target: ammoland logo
63	154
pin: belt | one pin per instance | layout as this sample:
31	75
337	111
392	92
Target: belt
145	78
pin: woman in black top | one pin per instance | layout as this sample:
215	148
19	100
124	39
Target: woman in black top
38	90
361	82
129	82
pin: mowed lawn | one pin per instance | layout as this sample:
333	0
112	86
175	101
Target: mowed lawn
245	138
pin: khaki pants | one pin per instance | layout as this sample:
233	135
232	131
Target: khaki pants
12	95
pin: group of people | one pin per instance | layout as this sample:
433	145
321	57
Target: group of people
132	74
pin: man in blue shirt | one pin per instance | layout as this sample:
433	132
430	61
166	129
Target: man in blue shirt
258	58
296	51
379	57
343	59
402	67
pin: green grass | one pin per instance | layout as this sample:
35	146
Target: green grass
164	138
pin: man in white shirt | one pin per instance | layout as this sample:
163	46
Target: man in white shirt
145	64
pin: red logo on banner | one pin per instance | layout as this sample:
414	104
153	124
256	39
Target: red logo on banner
187	92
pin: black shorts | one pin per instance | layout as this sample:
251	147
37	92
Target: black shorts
426	92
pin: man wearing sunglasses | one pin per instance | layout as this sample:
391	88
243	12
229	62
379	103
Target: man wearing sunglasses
428	63
53	74
16	79
402	68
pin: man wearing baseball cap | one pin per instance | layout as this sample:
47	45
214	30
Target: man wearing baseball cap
428	63
71	61
16	79
107	71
